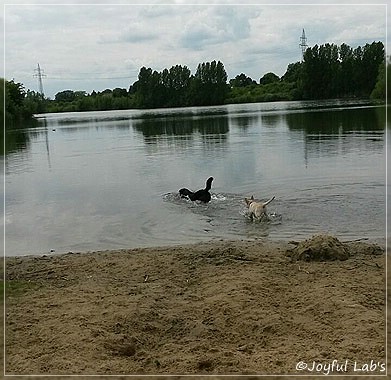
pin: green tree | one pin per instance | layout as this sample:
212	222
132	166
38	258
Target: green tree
175	84
383	83
310	75
178	85
209	85
34	102
241	80
120	92
269	78
20	105
15	93
292	73
320	72
148	86
65	96
293	78
373	56
346	79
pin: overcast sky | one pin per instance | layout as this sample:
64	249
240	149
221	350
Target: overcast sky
104	45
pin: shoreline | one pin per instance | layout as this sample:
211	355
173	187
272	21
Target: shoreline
378	241
211	308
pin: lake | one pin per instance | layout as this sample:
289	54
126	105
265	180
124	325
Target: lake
107	180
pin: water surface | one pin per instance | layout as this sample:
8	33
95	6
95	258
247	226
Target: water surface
106	180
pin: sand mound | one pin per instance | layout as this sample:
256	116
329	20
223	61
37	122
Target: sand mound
320	248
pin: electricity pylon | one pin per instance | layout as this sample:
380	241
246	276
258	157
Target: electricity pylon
40	75
303	44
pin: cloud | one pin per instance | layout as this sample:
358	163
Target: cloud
79	45
157	11
216	25
135	34
196	35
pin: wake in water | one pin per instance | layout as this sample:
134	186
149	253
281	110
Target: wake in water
178	199
224	206
270	218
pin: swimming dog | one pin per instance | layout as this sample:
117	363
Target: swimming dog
256	209
202	195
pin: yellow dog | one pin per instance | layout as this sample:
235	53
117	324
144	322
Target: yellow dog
256	209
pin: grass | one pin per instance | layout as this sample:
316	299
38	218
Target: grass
14	288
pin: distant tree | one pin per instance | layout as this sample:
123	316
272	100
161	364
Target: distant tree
330	61
329	71
20	105
88	103
373	56
383	83
292	73
321	72
178	85
292	77
174	84
34	102
209	84
15	93
107	91
269	78
346	80
104	101
147	95
120	92
242	80
65	96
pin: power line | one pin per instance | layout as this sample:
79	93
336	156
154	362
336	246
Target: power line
89	79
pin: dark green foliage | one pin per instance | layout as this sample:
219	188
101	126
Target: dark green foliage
209	85
176	83
71	101
241	80
176	87
20	104
293	73
269	78
383	83
270	92
329	71
68	96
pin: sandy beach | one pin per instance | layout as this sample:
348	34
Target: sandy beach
223	307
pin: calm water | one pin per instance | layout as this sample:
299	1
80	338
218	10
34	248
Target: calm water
104	180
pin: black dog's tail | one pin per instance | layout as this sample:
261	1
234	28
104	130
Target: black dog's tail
185	193
209	183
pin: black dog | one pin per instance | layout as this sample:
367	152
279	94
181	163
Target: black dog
200	195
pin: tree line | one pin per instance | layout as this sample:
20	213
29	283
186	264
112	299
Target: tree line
176	87
330	71
326	71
